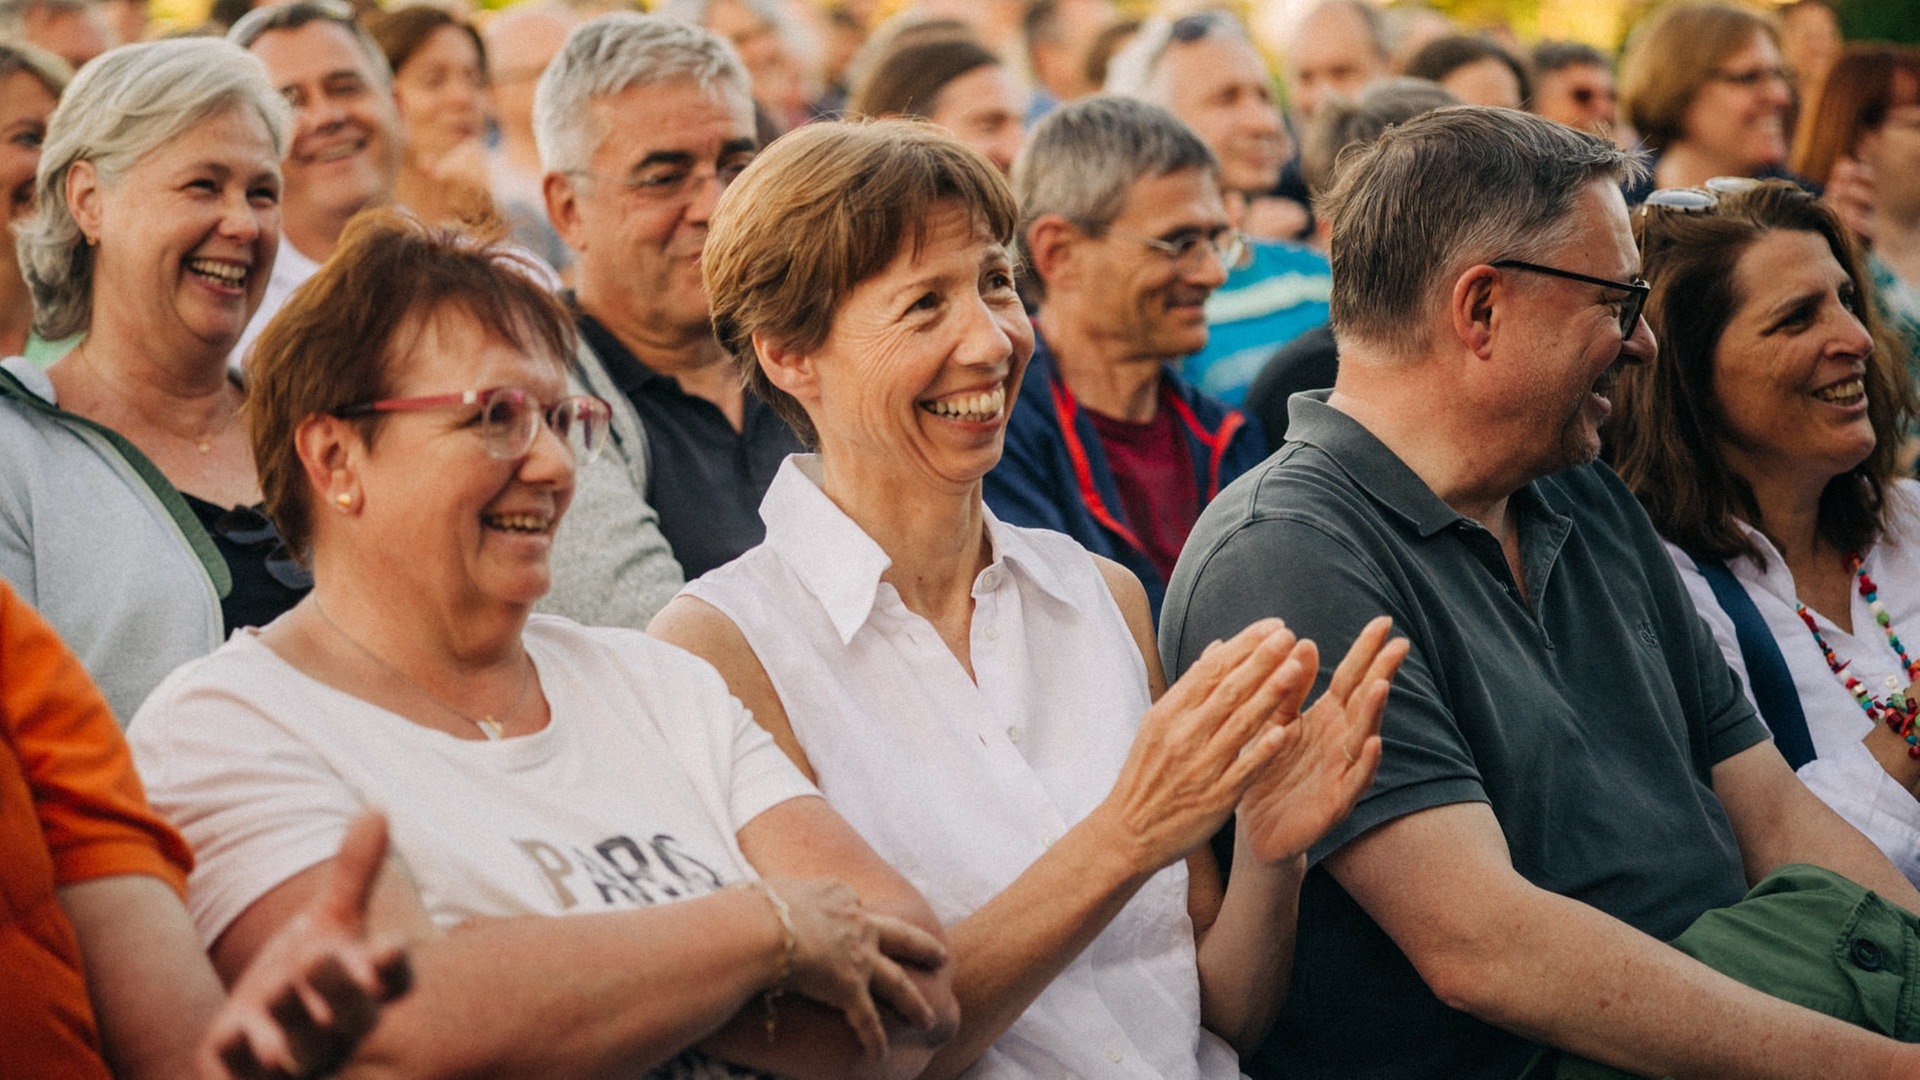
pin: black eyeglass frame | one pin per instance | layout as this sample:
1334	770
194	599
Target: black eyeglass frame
1637	290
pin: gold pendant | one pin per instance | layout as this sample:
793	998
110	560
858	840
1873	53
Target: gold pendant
490	727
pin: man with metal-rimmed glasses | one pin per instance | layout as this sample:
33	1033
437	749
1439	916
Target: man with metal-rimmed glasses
1571	777
1125	236
1205	70
641	123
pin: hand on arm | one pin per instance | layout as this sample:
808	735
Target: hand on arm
1488	942
806	838
870	975
584	995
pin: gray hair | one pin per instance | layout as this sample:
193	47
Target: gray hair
119	108
294	14
1135	70
1084	157
1444	191
1341	123
614	53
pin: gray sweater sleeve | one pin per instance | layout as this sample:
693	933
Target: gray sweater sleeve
611	565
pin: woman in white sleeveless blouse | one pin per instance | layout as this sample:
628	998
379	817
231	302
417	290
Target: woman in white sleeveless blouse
978	700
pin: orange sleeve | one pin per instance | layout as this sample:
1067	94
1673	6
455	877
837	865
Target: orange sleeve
92	809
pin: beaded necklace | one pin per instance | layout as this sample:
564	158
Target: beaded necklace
1897	711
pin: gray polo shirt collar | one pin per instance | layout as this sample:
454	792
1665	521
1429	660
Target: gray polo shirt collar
1404	497
1375	469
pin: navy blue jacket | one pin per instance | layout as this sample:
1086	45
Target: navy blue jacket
1054	474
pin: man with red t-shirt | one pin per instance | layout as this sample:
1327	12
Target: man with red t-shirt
1125	232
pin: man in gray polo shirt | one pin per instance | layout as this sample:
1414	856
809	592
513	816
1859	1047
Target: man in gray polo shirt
1571	775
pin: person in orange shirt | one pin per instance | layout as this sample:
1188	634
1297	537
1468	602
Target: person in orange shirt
104	974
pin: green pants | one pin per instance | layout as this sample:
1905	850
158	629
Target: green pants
1808	936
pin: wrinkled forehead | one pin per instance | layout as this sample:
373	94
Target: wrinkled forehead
678	116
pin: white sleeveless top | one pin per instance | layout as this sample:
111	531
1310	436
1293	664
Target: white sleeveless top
961	785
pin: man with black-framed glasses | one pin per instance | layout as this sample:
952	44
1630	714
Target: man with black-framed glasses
1552	868
1125	236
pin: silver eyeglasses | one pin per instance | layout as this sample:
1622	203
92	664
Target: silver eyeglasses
1227	245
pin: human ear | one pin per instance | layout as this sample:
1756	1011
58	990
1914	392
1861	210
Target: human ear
83	199
1051	244
1474	306
563	209
331	452
789	370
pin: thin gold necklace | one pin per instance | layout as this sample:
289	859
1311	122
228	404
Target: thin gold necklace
202	442
488	727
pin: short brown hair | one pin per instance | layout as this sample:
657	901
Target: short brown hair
401	32
343	336
1866	83
1671	54
1664	439
908	80
1446	190
822	210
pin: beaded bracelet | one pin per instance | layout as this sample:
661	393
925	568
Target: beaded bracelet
789	943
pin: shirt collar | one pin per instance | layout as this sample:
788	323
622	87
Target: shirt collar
841	565
613	353
1373	467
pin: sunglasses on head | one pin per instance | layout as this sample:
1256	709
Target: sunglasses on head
1698	200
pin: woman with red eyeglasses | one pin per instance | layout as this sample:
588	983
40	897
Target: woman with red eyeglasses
604	867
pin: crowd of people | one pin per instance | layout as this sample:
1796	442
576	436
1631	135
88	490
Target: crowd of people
1003	541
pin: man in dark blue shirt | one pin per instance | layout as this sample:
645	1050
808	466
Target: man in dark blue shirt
642	122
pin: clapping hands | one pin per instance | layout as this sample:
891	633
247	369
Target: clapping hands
1330	751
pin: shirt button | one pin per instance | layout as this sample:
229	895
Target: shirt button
1114	1055
991	634
989	578
1049	840
1867	955
1013	734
